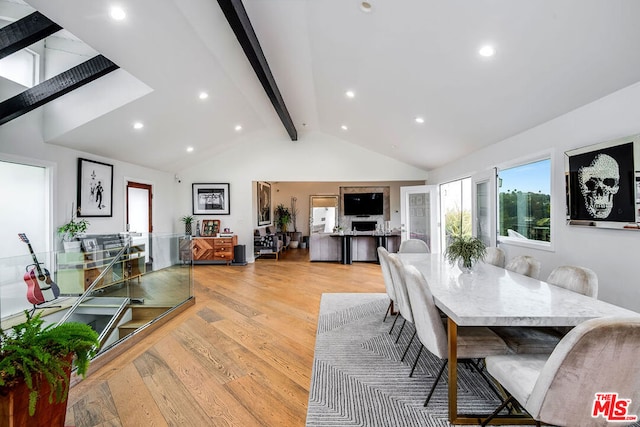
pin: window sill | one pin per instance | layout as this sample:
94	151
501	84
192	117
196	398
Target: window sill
526	243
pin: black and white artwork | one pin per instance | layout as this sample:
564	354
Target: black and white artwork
95	188
264	203
211	199
602	185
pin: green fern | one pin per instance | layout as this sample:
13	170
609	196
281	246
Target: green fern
31	349
468	248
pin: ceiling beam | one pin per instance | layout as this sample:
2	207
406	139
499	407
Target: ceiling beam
237	16
25	32
55	87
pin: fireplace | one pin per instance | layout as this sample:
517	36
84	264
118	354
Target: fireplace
364	225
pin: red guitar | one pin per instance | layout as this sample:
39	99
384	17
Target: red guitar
40	287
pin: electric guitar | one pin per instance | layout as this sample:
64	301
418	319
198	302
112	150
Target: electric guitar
40	287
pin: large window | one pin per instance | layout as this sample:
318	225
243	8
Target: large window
455	203
524	201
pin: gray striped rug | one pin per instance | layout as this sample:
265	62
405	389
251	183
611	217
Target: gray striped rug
359	380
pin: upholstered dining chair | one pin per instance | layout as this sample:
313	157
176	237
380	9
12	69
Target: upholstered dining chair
599	357
413	246
577	279
402	298
383	256
473	342
494	256
526	265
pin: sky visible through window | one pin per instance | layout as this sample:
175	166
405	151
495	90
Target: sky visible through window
532	177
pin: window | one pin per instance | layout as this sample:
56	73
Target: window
524	202
455	202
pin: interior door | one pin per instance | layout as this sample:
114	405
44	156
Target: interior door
419	214
139	214
483	193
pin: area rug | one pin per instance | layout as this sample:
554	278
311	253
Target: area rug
358	378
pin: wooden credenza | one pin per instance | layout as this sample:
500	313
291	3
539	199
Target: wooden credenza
213	250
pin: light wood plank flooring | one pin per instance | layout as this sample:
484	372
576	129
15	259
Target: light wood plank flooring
242	356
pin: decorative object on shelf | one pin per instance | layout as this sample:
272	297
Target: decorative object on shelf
466	251
95	188
36	360
211	199
264	203
283	217
188	220
210	227
70	232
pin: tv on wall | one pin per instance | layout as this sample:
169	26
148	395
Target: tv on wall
363	204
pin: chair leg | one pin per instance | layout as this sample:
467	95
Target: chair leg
387	312
394	323
415	363
401	328
500	408
435	383
408	345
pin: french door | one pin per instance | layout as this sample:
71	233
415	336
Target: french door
484	207
419	214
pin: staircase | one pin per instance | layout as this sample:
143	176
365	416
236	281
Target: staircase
140	316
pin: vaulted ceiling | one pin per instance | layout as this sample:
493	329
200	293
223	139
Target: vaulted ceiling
402	59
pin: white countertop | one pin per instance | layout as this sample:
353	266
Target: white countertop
493	296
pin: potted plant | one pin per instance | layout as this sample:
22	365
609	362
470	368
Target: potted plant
70	232
35	366
466	250
188	220
283	217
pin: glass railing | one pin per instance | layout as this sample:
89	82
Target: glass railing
116	283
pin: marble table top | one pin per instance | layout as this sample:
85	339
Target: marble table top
493	296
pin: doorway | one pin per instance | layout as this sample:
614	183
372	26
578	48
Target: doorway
140	215
418	212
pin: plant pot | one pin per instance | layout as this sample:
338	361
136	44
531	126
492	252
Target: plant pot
303	245
463	268
293	244
73	246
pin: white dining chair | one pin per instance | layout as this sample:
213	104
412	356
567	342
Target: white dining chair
413	246
494	256
577	279
383	256
599	356
472	342
402	298
524	264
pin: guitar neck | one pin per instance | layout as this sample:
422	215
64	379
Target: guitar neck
35	259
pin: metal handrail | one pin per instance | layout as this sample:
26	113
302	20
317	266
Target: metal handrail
82	297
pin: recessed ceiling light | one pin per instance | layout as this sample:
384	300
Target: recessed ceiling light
344	127
117	13
487	51
419	120
350	94
238	128
203	95
365	6
189	149
138	125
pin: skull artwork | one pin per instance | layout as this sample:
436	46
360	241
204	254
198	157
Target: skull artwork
598	183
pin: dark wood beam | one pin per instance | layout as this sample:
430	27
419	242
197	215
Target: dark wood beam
25	32
55	87
237	16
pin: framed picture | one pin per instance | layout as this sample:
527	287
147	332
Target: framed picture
264	203
211	199
89	245
210	227
95	188
602	184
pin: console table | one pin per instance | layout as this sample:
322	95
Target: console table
213	250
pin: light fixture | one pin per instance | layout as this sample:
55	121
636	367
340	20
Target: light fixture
138	125
419	120
365	6
189	149
350	94
238	128
344	127
487	51
203	95
117	13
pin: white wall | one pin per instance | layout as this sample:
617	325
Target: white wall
612	254
273	157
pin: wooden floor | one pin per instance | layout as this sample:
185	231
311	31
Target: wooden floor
242	356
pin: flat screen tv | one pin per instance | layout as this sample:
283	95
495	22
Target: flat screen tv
363	204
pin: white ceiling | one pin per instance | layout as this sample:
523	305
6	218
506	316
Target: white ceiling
404	59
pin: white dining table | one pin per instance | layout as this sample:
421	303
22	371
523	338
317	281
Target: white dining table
493	296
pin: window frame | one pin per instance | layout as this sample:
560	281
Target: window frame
533	244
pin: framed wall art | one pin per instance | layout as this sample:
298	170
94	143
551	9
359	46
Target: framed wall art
264	203
210	227
95	188
211	199
601	186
